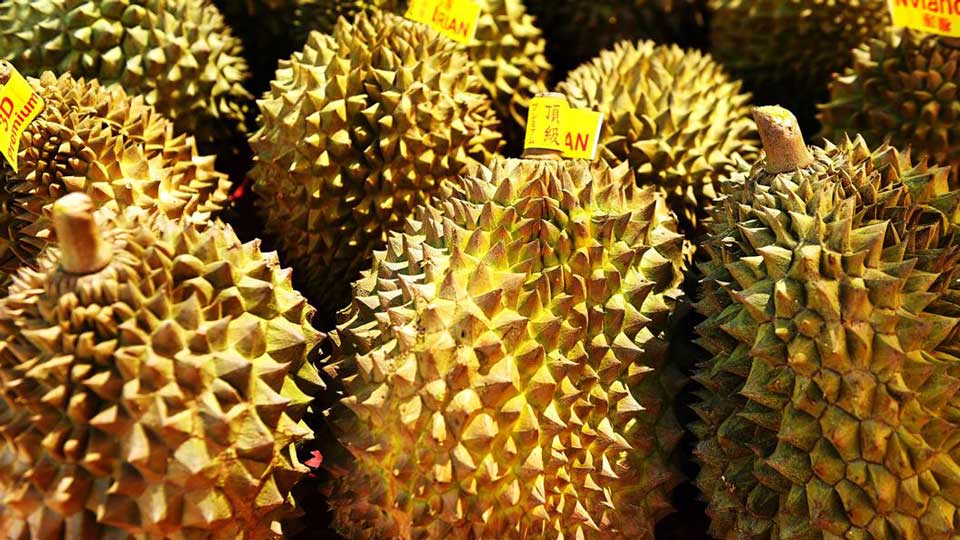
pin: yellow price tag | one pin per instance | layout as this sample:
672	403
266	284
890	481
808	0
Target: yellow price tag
456	19
934	16
19	105
553	125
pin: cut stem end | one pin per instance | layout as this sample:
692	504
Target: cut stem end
782	140
82	248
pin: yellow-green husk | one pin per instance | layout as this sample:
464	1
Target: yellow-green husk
358	129
675	116
160	397
115	148
504	363
178	54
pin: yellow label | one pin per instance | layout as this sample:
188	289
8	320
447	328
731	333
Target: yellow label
935	16
19	105
553	125
456	19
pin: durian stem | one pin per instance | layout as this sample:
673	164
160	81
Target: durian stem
544	153
82	248
782	140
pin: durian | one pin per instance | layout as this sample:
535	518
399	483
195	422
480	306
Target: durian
791	47
116	149
507	50
178	54
155	378
358	129
902	86
675	116
504	362
829	405
577	31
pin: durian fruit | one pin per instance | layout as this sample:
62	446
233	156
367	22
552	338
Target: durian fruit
509	54
902	86
508	48
116	149
358	129
504	362
178	54
675	116
154	383
791	47
829	404
577	31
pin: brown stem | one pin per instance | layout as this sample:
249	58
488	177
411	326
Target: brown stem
82	249
782	140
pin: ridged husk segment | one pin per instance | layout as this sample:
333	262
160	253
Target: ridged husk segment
792	45
675	116
161	397
504	362
358	129
901	87
829	405
577	31
116	149
178	54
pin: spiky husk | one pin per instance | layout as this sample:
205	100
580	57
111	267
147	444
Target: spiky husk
160	397
116	149
792	45
508	49
829	406
675	116
358	129
509	55
901	87
178	54
505	364
577	31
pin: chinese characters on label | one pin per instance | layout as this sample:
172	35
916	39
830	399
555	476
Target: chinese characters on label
553	125
934	16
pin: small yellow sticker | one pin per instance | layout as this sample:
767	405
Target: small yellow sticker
553	125
456	19
19	105
934	16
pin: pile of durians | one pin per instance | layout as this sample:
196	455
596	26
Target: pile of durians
283	269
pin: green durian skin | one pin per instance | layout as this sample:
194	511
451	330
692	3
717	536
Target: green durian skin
828	402
902	87
178	54
786	50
